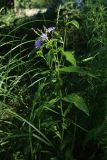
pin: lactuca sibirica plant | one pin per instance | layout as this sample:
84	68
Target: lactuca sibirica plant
55	99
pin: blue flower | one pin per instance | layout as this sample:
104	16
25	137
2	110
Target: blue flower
38	43
43	37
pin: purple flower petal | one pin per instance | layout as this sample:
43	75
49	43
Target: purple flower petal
38	43
43	37
50	29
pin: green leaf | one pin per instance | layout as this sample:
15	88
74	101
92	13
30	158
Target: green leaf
78	101
70	57
71	69
49	104
77	69
74	22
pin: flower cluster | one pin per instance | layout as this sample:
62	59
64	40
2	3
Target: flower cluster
43	37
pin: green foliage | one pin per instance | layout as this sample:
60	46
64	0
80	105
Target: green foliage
77	101
95	24
53	99
47	115
7	19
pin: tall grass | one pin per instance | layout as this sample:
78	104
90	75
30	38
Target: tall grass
52	100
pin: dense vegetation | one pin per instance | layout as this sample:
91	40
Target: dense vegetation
53	82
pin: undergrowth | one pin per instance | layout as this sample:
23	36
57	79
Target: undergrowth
53	97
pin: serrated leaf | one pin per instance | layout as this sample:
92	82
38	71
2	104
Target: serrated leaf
78	101
74	22
70	57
